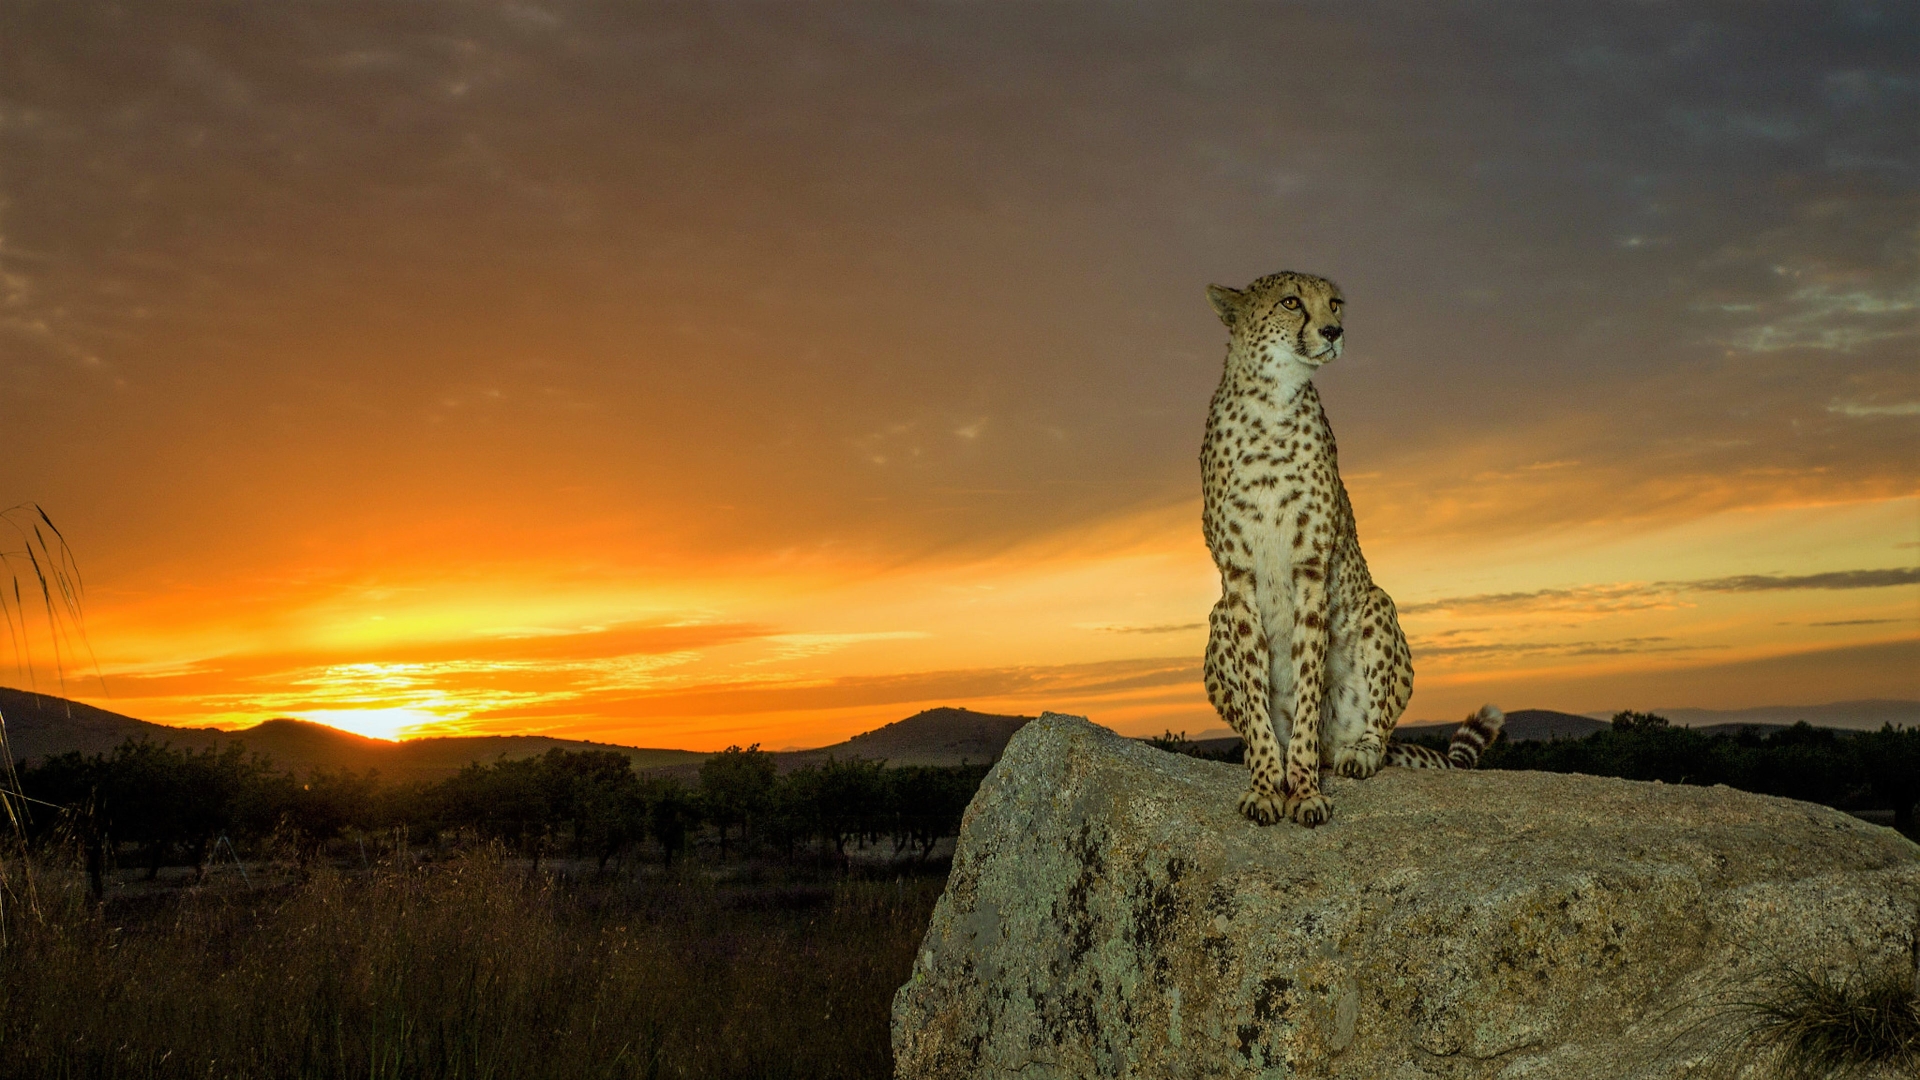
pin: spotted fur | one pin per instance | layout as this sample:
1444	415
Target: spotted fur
1300	630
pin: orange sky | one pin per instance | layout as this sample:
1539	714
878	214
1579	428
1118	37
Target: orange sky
729	374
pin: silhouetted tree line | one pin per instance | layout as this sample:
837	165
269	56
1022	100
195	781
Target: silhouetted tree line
163	806
1868	770
152	805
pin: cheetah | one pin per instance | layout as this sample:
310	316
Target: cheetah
1301	632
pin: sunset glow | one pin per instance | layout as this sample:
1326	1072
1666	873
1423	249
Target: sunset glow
714	375
374	723
1108	623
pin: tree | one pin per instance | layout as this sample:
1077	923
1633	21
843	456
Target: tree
671	811
325	806
737	786
148	794
508	800
927	803
596	793
850	801
164	798
1890	760
72	782
1628	720
791	810
1171	743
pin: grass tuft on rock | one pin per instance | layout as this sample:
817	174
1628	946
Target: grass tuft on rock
1828	1026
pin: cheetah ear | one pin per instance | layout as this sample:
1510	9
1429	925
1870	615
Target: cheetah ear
1227	302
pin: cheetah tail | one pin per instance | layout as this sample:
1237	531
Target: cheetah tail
1470	739
1474	735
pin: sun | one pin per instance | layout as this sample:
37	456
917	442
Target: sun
388	724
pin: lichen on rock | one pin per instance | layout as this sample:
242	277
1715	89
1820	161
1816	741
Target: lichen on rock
1109	914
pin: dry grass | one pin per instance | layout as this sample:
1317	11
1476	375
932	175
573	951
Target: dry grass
474	968
1831	1026
54	575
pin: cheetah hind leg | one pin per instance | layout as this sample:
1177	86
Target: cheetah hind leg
1236	677
1387	667
1361	758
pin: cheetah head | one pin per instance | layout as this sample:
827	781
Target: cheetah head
1284	316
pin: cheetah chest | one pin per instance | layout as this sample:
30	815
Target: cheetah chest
1274	499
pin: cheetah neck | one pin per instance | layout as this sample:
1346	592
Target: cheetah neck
1279	378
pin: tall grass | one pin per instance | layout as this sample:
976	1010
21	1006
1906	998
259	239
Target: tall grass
54	580
471	968
17	887
54	587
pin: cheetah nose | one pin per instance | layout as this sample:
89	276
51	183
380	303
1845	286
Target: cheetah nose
1331	333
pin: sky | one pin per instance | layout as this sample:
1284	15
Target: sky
699	374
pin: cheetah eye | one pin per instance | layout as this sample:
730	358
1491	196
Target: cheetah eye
1335	303
1290	304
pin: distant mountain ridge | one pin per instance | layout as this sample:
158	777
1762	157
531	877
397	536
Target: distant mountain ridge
41	725
1867	714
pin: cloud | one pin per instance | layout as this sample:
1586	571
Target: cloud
612	654
1837	279
1714	125
1632	596
1589	599
1858	88
1509	650
735	698
790	647
1835	320
1875	670
1841	579
1159	628
1861	410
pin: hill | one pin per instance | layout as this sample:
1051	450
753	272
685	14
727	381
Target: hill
942	736
1524	725
1865	715
41	725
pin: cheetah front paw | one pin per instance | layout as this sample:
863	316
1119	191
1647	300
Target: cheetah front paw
1262	807
1360	760
1310	809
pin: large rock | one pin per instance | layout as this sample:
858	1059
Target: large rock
1109	914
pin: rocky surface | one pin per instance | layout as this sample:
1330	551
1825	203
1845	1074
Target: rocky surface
1109	915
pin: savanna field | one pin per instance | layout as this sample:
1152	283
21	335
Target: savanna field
173	914
179	914
477	966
